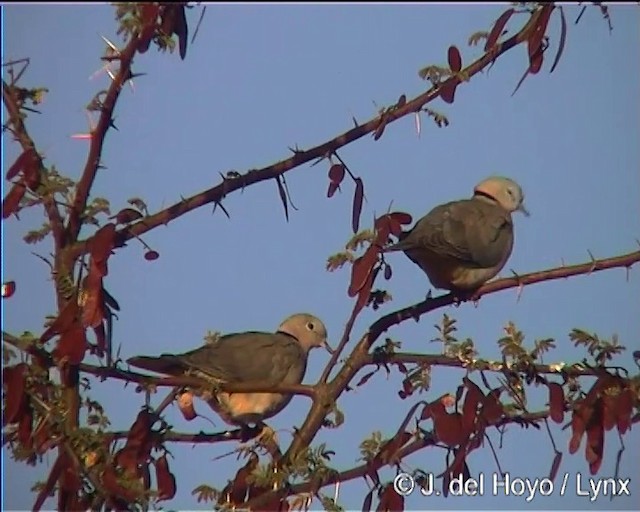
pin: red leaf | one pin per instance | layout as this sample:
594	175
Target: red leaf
556	401
100	246
71	345
366	504
358	196
16	400
166	480
609	419
448	90
31	171
127	459
361	270
555	466
624	408
56	470
563	38
151	255
101	339
63	322
594	447
8	289
472	400
449	429
535	40
390	500
238	487
581	415
126	215
93	299
19	164
140	431
492	408
365	291
283	197
332	188
25	428
455	59
336	173
365	378
497	29
11	202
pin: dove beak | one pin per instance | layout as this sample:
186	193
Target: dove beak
327	347
522	208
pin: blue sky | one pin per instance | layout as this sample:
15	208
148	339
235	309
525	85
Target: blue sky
260	79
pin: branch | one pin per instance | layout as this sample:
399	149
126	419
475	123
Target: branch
364	469
359	356
228	185
479	365
25	140
83	188
183	437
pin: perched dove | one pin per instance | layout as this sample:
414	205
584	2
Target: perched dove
276	358
462	244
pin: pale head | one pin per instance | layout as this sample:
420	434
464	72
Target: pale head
308	330
504	191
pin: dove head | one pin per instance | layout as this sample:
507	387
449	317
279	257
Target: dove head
504	191
308	330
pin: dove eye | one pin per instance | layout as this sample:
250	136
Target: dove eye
310	326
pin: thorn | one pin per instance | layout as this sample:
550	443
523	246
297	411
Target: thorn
418	123
112	124
82	136
593	262
110	44
110	73
562	261
355	123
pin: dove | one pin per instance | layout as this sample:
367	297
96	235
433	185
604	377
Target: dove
274	358
462	244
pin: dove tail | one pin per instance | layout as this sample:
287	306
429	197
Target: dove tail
162	364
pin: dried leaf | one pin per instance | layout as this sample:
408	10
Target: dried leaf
358	197
63	322
11	202
332	188
19	164
472	400
165	479
283	197
101	339
534	44
579	419
492	408
449	429
366	504
448	90
497	29
556	402
25	427
455	59
336	173
594	447
16	399
93	306
71	345
8	289
365	291
555	466
563	38
151	255
365	378
361	271
624	409
101	246
390	500
56	470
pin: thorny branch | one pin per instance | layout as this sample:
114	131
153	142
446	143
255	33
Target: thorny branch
241	181
26	142
360	354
